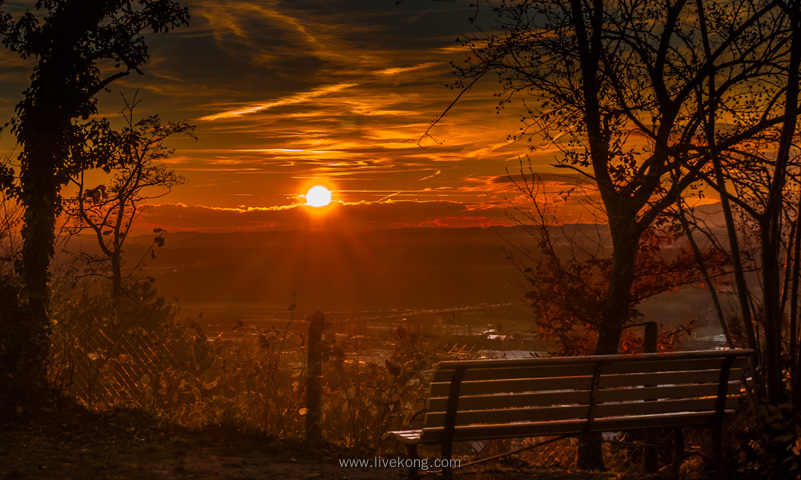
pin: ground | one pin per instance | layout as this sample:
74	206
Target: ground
70	443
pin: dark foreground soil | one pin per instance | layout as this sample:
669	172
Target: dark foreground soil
71	443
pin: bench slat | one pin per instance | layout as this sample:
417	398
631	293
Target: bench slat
543	414
593	359
570	427
664	378
441	389
516	385
580	397
625	409
544	399
665	392
533	370
522	371
509	415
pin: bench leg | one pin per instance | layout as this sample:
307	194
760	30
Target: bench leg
447	471
411	450
651	451
678	450
717	449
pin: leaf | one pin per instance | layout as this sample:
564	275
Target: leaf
108	232
303	411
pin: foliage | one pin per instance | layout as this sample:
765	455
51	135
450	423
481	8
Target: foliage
771	448
93	340
617	90
366	398
108	211
251	385
568	275
138	355
12	318
79	47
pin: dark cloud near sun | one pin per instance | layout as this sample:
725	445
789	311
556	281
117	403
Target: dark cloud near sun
343	217
566	178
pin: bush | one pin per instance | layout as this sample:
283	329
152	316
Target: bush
12	316
771	448
138	355
364	397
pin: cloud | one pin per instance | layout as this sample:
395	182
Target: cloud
290	100
347	217
564	178
403	70
338	91
431	176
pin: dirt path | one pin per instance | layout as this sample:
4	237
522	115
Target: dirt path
74	444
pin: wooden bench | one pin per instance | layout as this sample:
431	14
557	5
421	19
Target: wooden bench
571	396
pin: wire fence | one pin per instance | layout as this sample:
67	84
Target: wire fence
108	368
255	380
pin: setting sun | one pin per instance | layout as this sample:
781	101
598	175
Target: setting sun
318	196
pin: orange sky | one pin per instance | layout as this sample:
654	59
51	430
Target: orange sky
287	94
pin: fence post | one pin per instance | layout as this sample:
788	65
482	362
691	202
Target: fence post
651	454
650	337
314	378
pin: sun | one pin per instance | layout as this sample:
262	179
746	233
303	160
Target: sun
318	196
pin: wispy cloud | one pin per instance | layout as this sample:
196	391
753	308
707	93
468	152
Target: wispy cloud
402	70
353	216
432	175
289	93
289	100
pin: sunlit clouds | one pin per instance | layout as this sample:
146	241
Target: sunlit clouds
302	97
284	94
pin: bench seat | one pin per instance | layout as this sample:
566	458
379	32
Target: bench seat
537	397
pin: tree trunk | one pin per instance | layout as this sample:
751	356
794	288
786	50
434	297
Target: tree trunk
771	225
116	275
616	310
40	197
771	291
625	243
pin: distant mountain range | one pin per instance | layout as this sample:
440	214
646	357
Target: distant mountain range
388	269
383	269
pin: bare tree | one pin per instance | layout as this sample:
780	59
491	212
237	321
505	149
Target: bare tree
621	90
79	47
138	175
616	87
758	182
567	271
10	218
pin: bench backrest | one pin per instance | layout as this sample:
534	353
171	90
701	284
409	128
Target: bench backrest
571	395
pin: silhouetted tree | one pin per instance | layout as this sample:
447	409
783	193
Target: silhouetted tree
567	271
138	175
620	89
615	87
10	218
758	183
79	47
